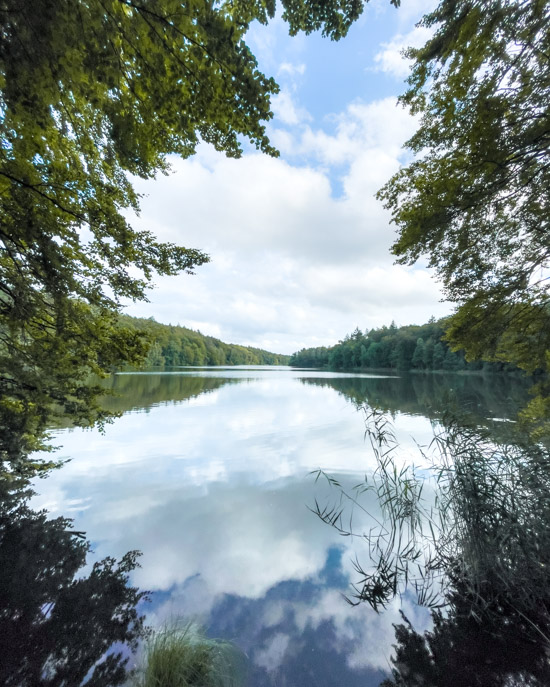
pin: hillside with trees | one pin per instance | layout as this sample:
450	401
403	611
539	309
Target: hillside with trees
412	347
171	346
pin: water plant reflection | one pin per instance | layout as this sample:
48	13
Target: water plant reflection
462	649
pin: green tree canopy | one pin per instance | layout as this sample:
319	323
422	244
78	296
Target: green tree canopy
90	94
475	198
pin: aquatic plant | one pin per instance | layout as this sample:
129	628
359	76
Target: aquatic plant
483	529
183	656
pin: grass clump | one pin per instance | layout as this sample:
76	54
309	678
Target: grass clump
183	656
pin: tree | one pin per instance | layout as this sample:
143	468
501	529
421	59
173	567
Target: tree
91	93
419	354
475	200
363	358
438	356
427	358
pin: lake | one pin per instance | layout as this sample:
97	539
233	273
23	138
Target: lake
208	474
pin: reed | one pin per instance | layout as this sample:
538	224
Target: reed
183	656
484	528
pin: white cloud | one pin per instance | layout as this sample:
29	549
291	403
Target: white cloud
390	59
286	110
292	70
369	635
294	263
272	654
371	287
260	205
362	130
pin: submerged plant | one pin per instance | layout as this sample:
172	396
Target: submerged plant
182	656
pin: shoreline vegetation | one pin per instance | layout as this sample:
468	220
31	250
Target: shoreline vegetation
174	345
410	348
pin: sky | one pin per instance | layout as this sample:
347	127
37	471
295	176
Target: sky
299	245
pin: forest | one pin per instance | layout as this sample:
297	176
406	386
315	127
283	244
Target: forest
411	347
173	345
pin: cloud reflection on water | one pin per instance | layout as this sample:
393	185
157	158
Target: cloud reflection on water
214	490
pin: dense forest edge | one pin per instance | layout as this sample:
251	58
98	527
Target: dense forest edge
410	347
173	345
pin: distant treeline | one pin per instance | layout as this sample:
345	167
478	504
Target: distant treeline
414	347
175	345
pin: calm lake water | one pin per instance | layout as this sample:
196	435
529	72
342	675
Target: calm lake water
208	474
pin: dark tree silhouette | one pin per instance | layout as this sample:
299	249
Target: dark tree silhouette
499	649
58	628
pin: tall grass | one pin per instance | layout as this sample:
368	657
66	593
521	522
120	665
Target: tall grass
182	656
486	532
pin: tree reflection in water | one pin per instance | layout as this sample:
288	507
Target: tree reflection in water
478	554
58	628
462	650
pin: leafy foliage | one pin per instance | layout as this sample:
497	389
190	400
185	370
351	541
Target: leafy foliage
460	650
92	93
474	200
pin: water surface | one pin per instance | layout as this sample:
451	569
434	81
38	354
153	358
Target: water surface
208	474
